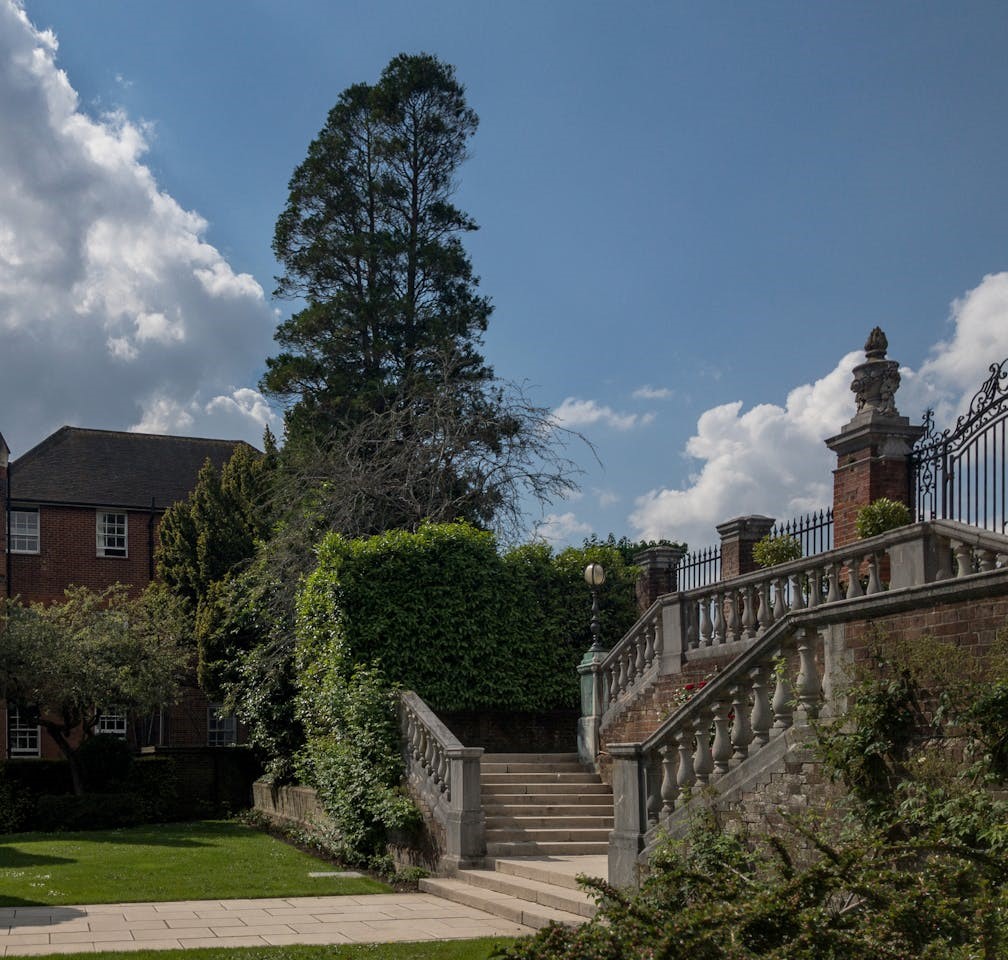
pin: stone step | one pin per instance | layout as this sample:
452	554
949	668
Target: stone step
516	767
543	776
530	914
516	788
547	834
547	805
526	821
558	897
529	848
556	870
530	758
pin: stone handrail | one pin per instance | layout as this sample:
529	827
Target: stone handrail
444	776
779	680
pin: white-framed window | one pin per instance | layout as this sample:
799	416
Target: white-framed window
23	738
222	728
112	722
111	534
23	531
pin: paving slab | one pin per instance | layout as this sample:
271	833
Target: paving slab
274	921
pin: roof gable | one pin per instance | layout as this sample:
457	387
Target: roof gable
113	468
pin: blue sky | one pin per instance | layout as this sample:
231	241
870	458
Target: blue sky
691	215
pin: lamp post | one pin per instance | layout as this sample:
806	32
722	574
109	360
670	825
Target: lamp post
595	576
591	676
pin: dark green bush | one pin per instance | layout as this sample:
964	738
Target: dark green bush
105	762
90	811
881	515
769	551
450	617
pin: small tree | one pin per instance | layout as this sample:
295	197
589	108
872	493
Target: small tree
71	661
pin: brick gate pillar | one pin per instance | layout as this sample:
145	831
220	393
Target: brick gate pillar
873	448
658	566
738	537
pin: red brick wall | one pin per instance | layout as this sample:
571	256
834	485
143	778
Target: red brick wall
68	555
860	478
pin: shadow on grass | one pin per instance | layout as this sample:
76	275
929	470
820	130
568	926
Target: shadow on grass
12	858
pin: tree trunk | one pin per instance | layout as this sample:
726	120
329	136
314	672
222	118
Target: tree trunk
69	754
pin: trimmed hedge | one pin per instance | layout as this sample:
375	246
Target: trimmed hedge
445	614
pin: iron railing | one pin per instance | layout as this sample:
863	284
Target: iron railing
814	531
700	568
961	473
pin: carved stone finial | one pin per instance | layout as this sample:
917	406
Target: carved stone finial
876	345
877	379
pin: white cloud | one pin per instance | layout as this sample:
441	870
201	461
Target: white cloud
647	392
575	413
114	307
606	498
558	529
772	460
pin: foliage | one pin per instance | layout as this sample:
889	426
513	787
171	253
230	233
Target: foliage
467	628
370	238
769	551
68	662
864	897
205	538
881	515
927	724
352	755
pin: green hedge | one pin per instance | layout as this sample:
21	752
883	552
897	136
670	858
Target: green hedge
446	614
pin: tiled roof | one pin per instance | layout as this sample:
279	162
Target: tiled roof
113	468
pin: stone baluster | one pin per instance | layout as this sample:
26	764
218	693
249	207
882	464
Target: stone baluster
734	624
612	672
720	626
780	605
669	787
797	583
428	762
692	628
703	761
621	680
741	733
988	560
761	601
761	717
854	577
721	749
833	575
606	684
706	626
442	772
749	595
807	687
783	698
640	652
874	583
653	800
814	578
659	636
685	775
964	559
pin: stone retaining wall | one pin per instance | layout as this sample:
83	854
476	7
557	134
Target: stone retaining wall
295	805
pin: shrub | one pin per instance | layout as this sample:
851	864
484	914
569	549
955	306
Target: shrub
881	515
105	761
352	758
769	551
89	811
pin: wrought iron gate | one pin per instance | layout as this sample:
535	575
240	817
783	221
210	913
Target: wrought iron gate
960	473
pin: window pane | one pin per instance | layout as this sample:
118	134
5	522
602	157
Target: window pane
112	534
22	736
23	531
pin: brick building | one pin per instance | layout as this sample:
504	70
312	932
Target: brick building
83	508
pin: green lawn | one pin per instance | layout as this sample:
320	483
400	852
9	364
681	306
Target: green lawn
433	950
207	860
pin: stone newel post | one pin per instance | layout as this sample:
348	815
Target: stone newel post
738	536
873	448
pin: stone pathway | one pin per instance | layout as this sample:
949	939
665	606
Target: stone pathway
371	918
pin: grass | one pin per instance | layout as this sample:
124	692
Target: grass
429	950
206	860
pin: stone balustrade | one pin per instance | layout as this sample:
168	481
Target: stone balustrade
444	778
727	617
779	620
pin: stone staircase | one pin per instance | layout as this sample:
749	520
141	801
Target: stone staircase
548	818
546	803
